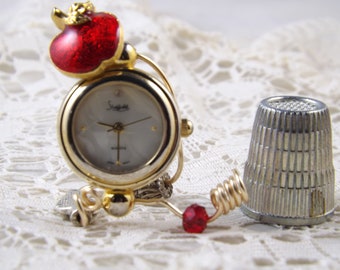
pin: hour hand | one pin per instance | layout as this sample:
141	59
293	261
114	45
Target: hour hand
104	124
116	127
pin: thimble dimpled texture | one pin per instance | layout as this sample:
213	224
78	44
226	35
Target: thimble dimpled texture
289	172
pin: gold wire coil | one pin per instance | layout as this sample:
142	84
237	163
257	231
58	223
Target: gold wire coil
90	198
87	202
228	195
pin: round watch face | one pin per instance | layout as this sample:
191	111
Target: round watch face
120	129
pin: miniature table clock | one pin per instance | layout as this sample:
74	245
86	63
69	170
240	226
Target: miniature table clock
120	128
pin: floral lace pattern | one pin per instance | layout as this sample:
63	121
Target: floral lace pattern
218	85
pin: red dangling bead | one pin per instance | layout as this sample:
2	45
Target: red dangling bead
195	219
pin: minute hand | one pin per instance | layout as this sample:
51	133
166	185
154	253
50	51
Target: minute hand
137	121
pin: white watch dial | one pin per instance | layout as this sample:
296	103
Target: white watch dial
118	127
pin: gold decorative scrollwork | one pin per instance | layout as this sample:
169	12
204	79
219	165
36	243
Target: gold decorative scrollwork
87	202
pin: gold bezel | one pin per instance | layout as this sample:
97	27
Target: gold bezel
150	171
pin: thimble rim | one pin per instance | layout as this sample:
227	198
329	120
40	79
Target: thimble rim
314	104
286	221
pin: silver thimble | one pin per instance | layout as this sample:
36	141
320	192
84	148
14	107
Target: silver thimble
289	172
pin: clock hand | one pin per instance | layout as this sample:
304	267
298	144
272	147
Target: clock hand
104	124
116	127
118	149
137	121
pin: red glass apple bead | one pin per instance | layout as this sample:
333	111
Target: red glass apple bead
82	48
195	219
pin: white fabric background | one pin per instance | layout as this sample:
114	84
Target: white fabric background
220	71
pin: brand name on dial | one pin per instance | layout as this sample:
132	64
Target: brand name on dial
117	107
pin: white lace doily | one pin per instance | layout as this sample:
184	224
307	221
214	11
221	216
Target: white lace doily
218	85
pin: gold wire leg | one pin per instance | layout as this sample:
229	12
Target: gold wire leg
157	69
180	162
162	202
165	80
224	197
